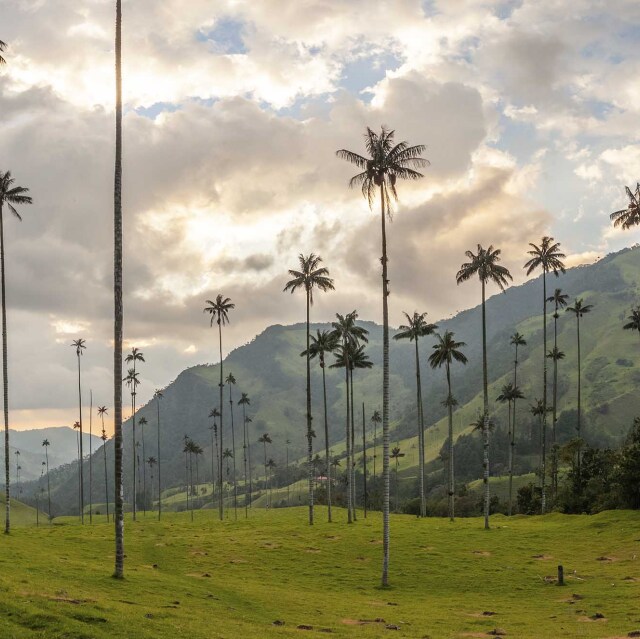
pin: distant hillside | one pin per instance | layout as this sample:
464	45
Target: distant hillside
271	371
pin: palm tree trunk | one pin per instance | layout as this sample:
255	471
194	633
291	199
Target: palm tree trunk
348	436
90	456
249	461
46	454
218	461
244	455
485	383
133	435
191	481
233	450
144	473
5	381
485	473
543	423
385	396
451	478
266	475
118	309
423	506
81	454
579	408
364	460
513	432
106	479
220	504
510	437
554	450
352	463
326	440
309	429
159	485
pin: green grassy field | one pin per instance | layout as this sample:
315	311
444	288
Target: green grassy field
235	579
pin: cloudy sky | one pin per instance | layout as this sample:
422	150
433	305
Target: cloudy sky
233	112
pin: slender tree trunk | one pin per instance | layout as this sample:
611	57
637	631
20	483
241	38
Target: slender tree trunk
451	477
90	457
233	450
220	504
485	431
218	461
423	505
249	460
364	460
485	473
348	435
191	481
5	381
513	433
397	509
159	484
309	429
352	462
144	473
510	437
46	454
543	423
385	396
326	440
244	455
81	453
118	308
554	450
106	478
579	409
266	474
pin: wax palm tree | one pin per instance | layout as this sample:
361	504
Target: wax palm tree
348	334
559	300
538	410
142	422
376	419
579	309
485	265
231	381
629	217
311	275
3	47
445	351
132	358
118	310
102	411
79	345
510	394
219	310
132	382
548	257
386	162
247	421
244	401
270	466
321	345
396	455
46	445
157	395
415	328
265	439
10	196
484	424
634	320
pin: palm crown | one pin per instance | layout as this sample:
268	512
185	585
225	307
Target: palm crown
386	163
485	265
559	299
134	356
626	218
579	308
79	345
634	320
416	326
230	379
346	330
11	195
446	350
244	400
509	392
517	340
219	309
311	275
322	343
3	46
547	256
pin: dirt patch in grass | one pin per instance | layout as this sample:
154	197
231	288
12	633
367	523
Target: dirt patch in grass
542	557
481	553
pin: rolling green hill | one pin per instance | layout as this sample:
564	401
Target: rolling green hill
271	371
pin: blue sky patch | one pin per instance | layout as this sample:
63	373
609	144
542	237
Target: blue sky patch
225	37
156	109
367	71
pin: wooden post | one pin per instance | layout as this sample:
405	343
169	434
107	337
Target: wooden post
560	576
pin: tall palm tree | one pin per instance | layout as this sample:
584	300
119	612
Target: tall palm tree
10	196
348	334
142	422
132	358
247	421
214	413
376	419
415	328
538	410
396	454
270	466
244	401
118	309
311	275
485	265
3	47
219	310
157	395
265	439
579	309
132	382
46	445
79	345
152	461
231	381
386	162
484	424
102	411
629	217
548	257
445	351
634	320
76	427
320	345
559	300
510	394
